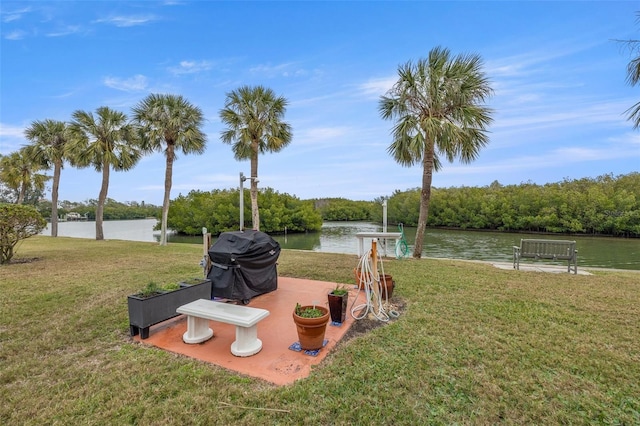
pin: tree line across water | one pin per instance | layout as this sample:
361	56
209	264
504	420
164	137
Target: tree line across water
439	112
606	205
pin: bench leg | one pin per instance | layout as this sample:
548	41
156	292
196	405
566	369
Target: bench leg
247	342
198	330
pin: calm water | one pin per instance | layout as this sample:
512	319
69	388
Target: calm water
339	237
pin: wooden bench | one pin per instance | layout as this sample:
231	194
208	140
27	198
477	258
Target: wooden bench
547	249
245	319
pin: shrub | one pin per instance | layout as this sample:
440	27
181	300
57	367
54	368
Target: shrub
17	222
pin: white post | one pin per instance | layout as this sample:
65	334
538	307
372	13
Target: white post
384	215
384	224
242	179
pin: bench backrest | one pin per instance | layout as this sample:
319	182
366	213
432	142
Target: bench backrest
560	249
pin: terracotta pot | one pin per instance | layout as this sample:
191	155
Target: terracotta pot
387	285
338	307
311	330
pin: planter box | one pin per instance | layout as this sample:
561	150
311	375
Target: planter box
194	281
145	312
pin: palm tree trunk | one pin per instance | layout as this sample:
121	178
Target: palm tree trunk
167	194
101	200
425	197
255	214
23	191
54	198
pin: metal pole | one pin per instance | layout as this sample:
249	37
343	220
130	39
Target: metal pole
384	224
242	179
384	215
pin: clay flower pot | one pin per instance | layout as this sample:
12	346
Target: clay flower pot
386	283
311	330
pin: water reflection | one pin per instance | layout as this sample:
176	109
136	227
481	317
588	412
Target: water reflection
339	237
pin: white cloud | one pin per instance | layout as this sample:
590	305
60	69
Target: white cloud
16	35
627	139
127	21
376	87
191	67
133	84
69	29
11	131
11	138
281	70
15	15
321	134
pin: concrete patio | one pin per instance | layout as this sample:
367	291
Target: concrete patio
276	362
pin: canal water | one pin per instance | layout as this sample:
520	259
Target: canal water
339	237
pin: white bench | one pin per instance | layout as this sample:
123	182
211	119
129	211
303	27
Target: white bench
245	319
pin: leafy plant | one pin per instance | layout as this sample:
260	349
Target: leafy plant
340	290
308	311
171	287
17	222
151	289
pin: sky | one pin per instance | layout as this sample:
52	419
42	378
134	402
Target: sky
557	72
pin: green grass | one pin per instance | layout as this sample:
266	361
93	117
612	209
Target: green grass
474	345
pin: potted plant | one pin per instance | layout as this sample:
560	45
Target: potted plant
338	301
311	323
154	304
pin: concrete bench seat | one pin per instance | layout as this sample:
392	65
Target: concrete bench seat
547	249
245	318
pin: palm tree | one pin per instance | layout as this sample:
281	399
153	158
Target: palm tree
20	174
103	141
633	75
49	139
254	119
438	108
169	123
633	78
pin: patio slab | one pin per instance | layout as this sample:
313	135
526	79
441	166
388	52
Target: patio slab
276	362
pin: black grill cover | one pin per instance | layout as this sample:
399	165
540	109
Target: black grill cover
243	265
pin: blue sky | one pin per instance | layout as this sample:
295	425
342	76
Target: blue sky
558	74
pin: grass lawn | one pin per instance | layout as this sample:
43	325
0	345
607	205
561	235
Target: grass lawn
474	345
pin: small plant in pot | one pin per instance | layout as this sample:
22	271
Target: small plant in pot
154	304
338	301
311	323
151	289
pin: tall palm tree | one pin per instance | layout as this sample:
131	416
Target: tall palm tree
20	174
104	141
254	119
633	78
633	74
48	147
438	108
169	123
